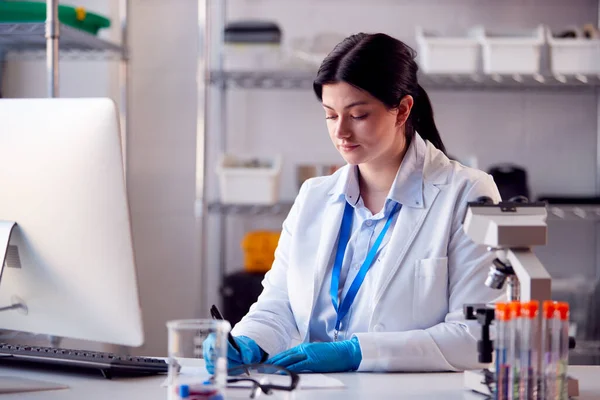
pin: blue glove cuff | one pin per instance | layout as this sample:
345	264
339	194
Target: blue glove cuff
251	351
356	352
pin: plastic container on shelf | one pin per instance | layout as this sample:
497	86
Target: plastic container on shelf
511	52
309	52
252	46
573	55
35	11
447	54
249	180
251	57
259	250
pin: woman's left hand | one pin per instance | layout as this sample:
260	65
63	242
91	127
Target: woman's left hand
320	357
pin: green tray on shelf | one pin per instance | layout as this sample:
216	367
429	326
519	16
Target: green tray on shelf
30	11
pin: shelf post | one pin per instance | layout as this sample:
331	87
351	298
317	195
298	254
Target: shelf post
597	226
221	131
52	36
211	30
124	79
203	76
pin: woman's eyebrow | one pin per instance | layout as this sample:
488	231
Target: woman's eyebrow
356	103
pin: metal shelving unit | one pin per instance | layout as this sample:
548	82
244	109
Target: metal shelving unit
30	37
52	40
575	212
215	18
302	79
250	209
556	212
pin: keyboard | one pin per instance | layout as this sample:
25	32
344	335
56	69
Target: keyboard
108	364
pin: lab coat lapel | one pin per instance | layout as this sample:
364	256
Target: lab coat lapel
333	218
407	226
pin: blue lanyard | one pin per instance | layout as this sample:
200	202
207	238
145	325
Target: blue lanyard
345	231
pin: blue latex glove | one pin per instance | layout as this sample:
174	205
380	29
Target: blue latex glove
250	352
321	357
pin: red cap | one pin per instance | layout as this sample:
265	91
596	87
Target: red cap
515	309
549	308
502	312
530	309
562	309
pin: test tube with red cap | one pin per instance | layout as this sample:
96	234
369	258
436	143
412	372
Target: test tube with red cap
561	344
514	308
502	315
550	342
528	382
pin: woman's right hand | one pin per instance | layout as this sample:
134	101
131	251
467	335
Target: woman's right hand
250	352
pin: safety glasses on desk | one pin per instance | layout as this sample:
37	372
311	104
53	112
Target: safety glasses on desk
263	378
489	380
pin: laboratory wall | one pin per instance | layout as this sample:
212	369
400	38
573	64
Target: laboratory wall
553	134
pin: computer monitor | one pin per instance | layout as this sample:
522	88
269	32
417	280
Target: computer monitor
70	259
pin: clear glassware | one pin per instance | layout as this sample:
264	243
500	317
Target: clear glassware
189	353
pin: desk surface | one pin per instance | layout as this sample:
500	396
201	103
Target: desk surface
428	386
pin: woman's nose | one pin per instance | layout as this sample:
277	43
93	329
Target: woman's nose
341	129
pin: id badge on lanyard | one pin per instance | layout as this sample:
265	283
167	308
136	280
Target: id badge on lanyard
345	232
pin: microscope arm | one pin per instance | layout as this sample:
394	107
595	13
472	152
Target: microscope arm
534	281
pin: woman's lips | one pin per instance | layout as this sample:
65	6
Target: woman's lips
348	147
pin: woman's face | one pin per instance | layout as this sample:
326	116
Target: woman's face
361	127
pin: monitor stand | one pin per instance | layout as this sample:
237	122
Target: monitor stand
6	229
14	384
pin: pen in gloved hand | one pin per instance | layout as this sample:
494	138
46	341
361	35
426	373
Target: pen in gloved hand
216	314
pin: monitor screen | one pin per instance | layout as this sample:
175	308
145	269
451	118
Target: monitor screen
69	258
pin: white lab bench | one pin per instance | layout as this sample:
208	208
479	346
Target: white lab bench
379	386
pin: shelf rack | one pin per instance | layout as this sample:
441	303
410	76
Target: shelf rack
29	37
53	40
212	21
303	79
556	212
573	212
250	209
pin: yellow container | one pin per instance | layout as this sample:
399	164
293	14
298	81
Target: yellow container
259	250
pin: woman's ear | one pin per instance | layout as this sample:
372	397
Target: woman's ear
404	109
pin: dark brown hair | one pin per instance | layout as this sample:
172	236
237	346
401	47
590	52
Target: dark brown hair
384	67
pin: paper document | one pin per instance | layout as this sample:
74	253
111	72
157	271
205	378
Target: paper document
13	384
307	381
319	381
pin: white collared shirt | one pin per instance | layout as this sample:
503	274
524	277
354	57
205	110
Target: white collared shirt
366	227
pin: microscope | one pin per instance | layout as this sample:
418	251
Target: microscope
510	229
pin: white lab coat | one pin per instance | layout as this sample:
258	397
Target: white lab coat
430	269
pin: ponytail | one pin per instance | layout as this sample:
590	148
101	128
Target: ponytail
422	119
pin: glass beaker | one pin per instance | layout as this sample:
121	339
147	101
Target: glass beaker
193	344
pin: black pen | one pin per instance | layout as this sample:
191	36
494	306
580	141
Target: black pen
214	311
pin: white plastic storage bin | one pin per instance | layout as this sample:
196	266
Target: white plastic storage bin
249	180
446	54
512	52
573	56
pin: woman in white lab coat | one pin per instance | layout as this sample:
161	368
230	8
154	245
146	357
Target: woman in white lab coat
373	268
